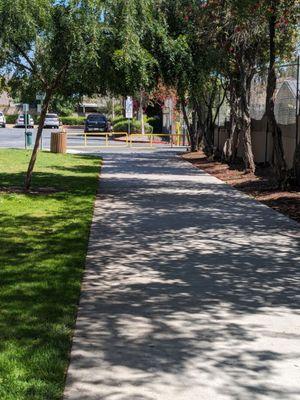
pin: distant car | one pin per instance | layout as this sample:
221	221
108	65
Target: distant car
2	120
51	121
20	122
96	123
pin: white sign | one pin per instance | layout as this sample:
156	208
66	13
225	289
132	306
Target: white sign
25	107
39	108
129	107
40	96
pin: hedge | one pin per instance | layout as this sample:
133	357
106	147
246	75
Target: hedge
119	118
71	120
11	119
135	126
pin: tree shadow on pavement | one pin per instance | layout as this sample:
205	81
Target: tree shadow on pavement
189	284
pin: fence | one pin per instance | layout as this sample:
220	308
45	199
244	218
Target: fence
287	110
262	144
134	140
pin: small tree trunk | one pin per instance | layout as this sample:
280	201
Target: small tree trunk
142	114
209	134
190	127
247	144
279	164
244	117
232	143
297	164
38	139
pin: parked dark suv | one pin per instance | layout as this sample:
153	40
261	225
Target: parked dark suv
96	123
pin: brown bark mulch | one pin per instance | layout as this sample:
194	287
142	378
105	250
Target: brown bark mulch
261	185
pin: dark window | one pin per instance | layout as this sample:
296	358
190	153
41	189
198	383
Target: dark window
95	117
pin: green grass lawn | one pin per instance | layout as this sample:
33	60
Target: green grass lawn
43	243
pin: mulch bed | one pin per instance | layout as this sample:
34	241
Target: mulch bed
261	185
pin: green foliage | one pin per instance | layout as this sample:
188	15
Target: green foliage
131	25
135	126
72	120
119	110
53	46
119	118
63	106
43	241
11	119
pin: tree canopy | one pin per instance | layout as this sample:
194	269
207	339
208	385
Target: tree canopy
206	51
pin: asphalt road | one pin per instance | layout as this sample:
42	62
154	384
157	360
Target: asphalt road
15	138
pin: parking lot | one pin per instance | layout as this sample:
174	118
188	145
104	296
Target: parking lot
15	138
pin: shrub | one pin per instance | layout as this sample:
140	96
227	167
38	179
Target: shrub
72	120
11	119
135	126
119	118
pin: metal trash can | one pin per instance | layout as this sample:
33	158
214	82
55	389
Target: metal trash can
28	139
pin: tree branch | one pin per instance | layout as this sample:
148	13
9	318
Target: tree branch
24	54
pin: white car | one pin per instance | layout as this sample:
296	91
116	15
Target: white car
20	122
2	120
51	121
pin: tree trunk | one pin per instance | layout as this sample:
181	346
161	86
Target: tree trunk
142	114
247	144
244	86
246	129
297	164
279	164
38	139
232	143
190	127
209	134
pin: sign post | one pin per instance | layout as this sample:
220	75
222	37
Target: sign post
25	111
40	98
129	111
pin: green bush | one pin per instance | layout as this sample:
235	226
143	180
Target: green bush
119	118
135	126
11	119
72	120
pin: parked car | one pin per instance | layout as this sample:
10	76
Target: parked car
96	123
2	120
20	122
51	121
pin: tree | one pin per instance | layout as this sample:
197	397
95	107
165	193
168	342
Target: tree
51	49
133	68
282	17
241	33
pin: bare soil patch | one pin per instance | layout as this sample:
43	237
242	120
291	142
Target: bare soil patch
261	185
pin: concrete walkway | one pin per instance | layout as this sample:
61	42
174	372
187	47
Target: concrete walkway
191	290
